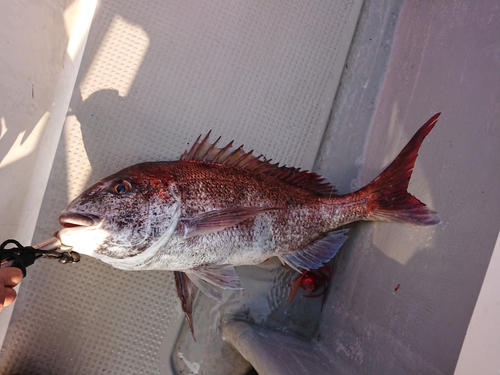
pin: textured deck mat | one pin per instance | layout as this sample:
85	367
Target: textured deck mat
154	76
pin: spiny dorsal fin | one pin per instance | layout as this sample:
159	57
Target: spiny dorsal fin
238	158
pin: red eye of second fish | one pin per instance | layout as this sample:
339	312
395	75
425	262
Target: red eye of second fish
309	282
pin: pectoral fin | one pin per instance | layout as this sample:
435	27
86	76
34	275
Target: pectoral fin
321	251
185	291
214	221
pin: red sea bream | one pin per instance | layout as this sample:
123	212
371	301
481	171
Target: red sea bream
217	208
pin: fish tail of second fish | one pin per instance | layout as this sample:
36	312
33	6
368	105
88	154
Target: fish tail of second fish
388	198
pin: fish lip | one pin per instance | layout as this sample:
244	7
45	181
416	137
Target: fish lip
75	224
73	220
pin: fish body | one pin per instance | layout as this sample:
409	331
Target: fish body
254	217
217	208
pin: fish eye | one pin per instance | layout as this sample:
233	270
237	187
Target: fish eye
121	187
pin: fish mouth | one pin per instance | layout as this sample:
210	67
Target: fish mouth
82	232
74	220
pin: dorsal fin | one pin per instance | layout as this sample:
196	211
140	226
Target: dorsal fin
208	152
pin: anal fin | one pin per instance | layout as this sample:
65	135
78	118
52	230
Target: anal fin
321	251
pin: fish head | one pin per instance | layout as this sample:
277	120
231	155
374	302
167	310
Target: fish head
121	216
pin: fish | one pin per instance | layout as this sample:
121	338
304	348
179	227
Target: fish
217	208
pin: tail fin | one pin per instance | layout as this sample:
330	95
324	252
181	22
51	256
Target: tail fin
389	199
